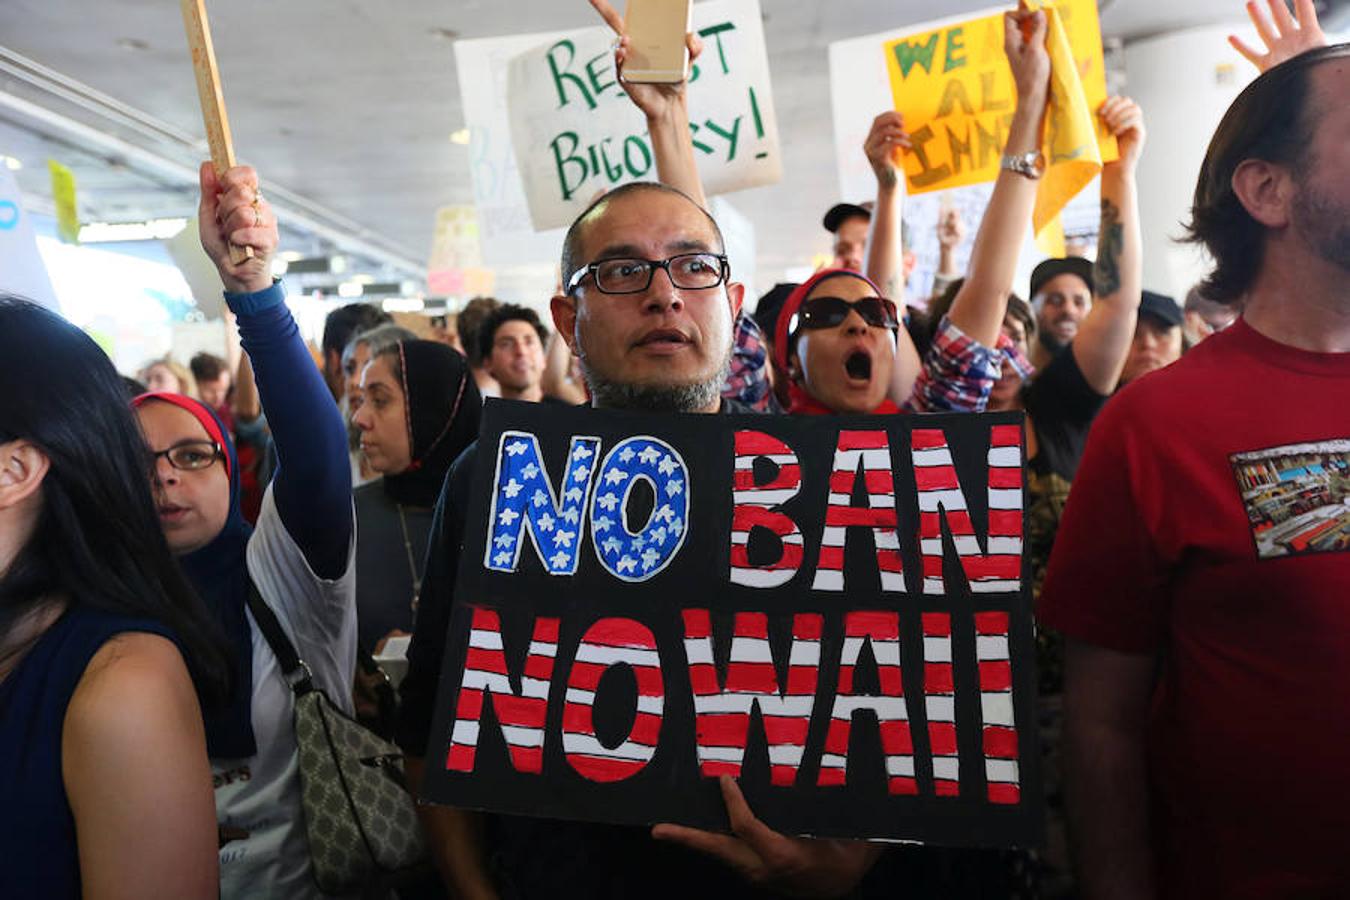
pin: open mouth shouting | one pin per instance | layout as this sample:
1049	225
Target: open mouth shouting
858	366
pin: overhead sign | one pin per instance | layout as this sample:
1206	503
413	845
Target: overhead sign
576	133
455	266
63	195
834	612
22	271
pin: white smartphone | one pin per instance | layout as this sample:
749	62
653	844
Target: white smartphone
657	53
393	658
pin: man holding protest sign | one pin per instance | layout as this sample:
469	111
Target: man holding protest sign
1206	717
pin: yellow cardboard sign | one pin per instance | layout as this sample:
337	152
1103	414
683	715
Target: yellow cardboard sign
956	92
63	195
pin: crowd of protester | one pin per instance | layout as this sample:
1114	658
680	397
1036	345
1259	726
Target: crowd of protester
1192	692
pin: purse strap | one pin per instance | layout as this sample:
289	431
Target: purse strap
297	673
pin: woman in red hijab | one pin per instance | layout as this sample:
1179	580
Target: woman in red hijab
836	340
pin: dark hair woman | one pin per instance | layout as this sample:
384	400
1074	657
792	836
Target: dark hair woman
104	782
420	410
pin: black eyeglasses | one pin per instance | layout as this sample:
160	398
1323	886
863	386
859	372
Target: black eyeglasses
189	457
827	312
688	271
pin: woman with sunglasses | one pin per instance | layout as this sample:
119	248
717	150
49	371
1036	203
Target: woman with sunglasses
298	558
420	408
837	340
104	781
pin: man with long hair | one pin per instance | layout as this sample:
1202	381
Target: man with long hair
1201	573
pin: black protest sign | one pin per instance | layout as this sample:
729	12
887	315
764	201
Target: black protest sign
833	610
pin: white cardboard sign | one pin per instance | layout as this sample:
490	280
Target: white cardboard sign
576	134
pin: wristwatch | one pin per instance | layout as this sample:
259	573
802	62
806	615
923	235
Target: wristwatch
1029	165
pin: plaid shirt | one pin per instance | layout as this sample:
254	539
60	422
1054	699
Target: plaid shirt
747	382
959	372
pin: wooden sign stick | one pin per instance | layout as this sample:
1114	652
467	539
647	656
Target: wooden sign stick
213	101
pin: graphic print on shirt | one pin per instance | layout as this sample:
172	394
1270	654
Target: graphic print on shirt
1297	497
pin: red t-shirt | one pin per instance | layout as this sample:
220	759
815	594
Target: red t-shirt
1210	525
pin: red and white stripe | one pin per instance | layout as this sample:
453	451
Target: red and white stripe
872	450
882	630
521	715
996	707
939	692
722	711
609	642
754	506
940	494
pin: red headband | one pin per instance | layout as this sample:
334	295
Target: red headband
794	302
199	412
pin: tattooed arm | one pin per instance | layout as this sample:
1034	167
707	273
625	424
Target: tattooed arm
1103	340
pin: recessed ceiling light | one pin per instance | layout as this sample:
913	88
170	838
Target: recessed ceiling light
460	137
443	34
11	163
129	43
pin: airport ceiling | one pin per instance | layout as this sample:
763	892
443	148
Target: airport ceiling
349	106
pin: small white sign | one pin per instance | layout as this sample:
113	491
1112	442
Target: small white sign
22	271
575	133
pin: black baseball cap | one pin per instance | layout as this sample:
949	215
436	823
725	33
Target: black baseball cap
1053	268
841	211
1161	308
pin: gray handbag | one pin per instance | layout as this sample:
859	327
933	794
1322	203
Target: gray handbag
359	816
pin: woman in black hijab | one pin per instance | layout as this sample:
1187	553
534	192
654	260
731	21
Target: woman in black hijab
419	410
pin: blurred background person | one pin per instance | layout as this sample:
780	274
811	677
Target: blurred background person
169	376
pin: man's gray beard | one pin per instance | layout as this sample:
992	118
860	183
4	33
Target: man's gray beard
656	397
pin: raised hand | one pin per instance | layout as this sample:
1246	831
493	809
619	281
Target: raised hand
655	100
951	230
798	867
885	137
1024	45
1125	120
232	211
1285	37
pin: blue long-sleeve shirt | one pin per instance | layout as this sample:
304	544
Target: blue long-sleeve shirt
312	485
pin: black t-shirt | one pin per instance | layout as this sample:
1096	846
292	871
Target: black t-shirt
385	566
1062	406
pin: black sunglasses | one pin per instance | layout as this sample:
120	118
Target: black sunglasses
828	312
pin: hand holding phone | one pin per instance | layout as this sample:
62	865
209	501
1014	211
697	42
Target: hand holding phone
657	50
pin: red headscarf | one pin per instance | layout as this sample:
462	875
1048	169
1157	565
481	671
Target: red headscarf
200	412
219	574
801	403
